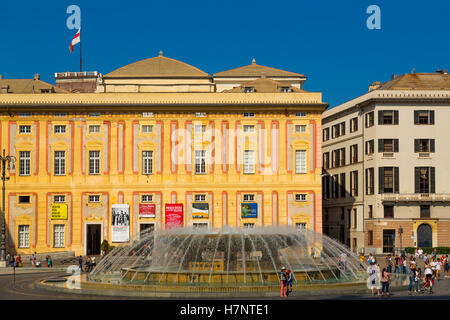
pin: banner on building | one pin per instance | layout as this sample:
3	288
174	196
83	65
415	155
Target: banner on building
200	211
174	216
249	210
120	223
147	210
59	211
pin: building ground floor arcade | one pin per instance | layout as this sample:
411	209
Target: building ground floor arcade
50	221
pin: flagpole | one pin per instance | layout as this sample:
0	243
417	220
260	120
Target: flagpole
81	66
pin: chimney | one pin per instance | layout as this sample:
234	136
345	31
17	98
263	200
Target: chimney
374	85
37	77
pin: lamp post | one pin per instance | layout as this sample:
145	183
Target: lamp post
400	231
5	163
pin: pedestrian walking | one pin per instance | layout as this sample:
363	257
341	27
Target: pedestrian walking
433	264
420	252
289	277
396	264
438	269
417	278
405	265
425	258
373	281
412	277
446	267
80	263
283	283
389	263
33	259
49	262
385	281
428	278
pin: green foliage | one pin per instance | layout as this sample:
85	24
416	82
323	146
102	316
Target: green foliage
105	246
429	250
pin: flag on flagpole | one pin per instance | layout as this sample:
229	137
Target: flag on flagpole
75	40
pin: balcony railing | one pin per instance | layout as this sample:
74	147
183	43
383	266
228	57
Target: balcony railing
416	197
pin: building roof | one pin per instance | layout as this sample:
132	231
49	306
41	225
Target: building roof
418	81
157	67
256	70
25	86
264	85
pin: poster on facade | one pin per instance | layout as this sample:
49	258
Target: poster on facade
249	210
59	212
200	211
147	210
120	223
174	216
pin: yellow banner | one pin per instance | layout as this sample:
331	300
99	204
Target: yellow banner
59	211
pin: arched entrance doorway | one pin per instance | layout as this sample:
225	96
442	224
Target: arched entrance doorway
424	236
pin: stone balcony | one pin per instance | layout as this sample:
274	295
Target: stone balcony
415	197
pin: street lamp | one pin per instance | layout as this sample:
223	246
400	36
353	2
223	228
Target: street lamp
400	231
5	163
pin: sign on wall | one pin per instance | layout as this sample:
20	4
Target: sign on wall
249	210
200	210
174	215
59	211
120	223
147	210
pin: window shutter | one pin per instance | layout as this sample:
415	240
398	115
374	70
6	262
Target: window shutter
343	190
417	180
433	179
432	117
395	145
367	181
380	145
355	150
432	146
416	145
380	117
416	117
380	180
395	116
396	180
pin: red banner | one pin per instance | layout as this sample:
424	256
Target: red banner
147	210
174	216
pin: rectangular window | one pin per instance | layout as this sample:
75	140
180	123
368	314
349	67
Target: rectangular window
300	128
388	211
24	236
249	161
147	114
354	153
147	129
58	236
249	197
249	114
424	117
425	211
349	218
147	162
94	114
424	145
369	119
336	131
300	197
388	241
200	198
343	191
24	163
200	114
335	186
300	161
25	114
200	161
326	134
200	225
60	114
388	179
370	181
60	163
353	124
94	129
60	129
326	160
24	199
370	147
249	129
24	129
387	117
354	183
94	198
370	211
388	146
370	238
147	198
59	199
200	129
249	225
300	114
299	226
94	162
425	179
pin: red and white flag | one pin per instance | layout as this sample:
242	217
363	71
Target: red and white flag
75	40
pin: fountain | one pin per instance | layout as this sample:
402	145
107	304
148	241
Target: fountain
228	258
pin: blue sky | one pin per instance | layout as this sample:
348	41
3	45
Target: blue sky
326	40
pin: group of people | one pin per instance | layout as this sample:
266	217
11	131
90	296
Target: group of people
17	262
89	265
419	280
286	282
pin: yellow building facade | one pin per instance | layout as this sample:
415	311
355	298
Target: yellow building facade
241	157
